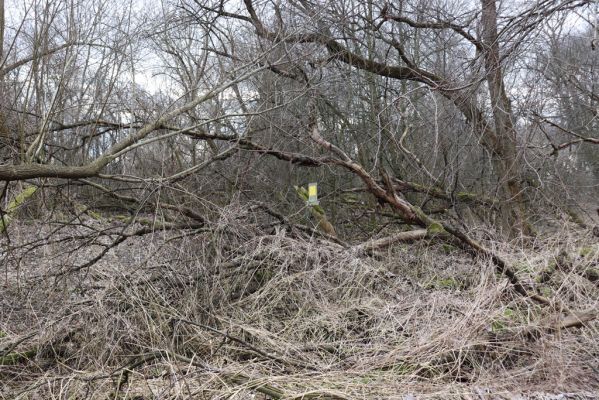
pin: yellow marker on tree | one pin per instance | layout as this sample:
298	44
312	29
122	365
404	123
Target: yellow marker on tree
312	194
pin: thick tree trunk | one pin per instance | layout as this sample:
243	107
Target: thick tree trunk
505	153
1	30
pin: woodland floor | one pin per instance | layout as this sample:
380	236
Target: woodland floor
250	310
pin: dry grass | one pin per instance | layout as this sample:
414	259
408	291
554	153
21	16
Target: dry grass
245	307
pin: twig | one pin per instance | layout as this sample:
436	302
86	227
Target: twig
248	345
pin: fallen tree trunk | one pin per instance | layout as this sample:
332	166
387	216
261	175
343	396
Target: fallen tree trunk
415	216
7	216
402	237
575	320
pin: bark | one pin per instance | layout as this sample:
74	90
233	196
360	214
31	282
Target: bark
3	130
401	237
318	213
576	320
1	31
505	152
36	55
7	216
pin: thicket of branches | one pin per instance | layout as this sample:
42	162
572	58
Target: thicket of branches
154	159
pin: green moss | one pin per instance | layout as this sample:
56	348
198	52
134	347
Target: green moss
443	283
508	317
263	275
547	273
14	358
448	283
448	249
350	198
587	251
4	222
498	326
420	214
501	324
465	196
317	212
509	313
14	205
95	215
574	217
403	369
21	198
523	267
435	228
149	222
302	192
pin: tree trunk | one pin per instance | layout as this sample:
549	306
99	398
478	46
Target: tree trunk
3	129
1	31
506	159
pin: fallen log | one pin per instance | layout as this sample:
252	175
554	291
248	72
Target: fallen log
401	237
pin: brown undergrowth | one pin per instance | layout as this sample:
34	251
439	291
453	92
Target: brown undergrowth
247	307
